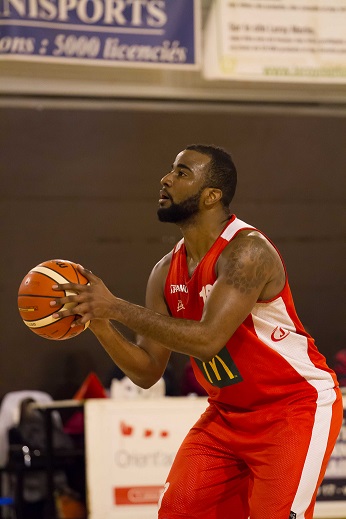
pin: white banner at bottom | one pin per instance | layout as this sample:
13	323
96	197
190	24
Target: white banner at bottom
130	447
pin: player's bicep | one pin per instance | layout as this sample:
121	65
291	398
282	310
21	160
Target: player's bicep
243	271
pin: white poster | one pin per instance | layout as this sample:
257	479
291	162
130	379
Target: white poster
276	40
130	447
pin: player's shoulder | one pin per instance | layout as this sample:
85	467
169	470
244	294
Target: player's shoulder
165	261
250	244
161	268
248	238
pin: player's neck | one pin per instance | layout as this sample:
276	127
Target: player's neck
201	233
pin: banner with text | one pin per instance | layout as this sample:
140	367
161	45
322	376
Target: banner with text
130	447
151	33
281	40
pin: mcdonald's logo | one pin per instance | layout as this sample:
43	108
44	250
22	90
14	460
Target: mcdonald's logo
220	371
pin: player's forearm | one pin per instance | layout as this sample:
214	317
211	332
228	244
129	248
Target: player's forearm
180	335
134	361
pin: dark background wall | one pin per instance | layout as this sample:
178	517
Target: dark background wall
81	182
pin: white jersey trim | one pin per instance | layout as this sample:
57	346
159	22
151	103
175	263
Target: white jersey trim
178	245
233	228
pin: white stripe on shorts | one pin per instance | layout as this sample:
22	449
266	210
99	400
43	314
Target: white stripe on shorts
315	454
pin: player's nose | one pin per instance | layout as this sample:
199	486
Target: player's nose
166	180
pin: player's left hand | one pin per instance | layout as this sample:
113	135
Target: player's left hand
92	301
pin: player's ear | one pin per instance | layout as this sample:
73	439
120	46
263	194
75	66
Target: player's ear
212	196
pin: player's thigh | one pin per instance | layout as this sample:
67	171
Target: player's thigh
205	482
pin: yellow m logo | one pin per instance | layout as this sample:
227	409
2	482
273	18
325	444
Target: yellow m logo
212	363
220	371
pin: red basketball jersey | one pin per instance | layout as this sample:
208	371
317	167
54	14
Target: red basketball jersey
270	358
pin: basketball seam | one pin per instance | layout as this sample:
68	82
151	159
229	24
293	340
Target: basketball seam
76	272
40	295
42	322
58	278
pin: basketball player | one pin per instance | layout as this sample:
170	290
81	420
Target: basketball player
221	295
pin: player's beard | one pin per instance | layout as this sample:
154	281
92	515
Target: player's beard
181	212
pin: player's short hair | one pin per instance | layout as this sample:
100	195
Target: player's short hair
222	172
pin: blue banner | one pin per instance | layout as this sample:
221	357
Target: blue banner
154	33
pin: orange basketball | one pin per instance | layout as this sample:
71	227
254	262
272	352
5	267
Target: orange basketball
35	293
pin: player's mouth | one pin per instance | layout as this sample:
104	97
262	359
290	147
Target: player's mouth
164	196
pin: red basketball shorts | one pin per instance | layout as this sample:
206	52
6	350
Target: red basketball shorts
258	465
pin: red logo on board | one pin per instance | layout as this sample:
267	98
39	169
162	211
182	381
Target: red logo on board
129	430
